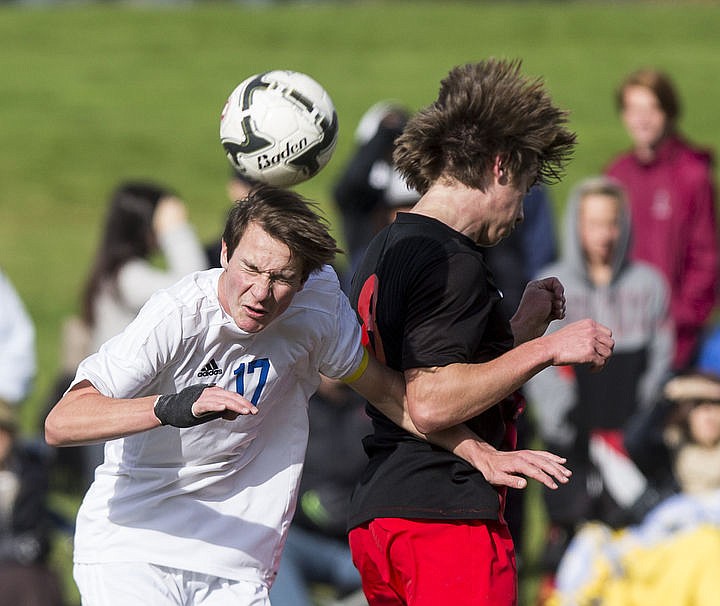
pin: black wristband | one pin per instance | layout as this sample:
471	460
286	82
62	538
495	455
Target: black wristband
176	409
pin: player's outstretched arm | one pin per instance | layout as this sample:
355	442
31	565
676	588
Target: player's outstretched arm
84	415
443	397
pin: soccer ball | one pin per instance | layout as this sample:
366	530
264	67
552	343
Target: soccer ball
279	127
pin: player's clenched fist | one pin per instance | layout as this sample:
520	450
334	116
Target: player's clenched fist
582	342
199	404
542	302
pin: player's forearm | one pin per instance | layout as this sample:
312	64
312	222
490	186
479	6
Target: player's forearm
446	396
462	442
385	389
442	397
84	416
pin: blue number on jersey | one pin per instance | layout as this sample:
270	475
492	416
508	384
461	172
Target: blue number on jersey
264	365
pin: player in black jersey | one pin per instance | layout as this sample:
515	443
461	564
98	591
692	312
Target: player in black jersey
426	528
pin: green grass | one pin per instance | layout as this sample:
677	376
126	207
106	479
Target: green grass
92	94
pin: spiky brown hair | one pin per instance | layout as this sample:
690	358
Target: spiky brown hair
485	110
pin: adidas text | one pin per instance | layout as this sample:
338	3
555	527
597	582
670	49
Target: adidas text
209	373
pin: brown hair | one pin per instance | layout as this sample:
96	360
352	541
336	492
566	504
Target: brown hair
601	185
660	84
484	110
127	234
288	218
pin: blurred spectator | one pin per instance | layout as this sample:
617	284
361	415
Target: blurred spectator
670	186
17	346
25	523
396	198
673	554
360	189
676	444
580	414
143	220
317	548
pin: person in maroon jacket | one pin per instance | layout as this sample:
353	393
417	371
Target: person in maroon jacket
670	186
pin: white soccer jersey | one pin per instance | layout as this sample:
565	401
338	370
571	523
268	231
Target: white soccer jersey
216	498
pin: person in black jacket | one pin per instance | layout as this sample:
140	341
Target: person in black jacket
25	522
360	191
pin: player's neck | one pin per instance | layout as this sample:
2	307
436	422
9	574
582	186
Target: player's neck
454	205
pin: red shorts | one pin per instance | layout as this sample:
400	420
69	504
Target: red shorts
435	563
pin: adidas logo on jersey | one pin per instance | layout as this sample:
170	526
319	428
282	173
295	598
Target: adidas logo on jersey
210	369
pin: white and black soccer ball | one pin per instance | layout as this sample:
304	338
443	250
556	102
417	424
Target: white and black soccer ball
279	127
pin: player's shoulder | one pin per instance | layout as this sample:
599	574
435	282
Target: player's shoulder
321	293
417	242
322	281
194	287
192	299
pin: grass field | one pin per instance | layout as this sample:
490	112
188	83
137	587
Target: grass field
91	94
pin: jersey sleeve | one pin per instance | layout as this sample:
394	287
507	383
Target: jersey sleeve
134	359
343	353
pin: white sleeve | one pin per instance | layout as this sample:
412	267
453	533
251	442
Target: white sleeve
17	345
343	348
133	361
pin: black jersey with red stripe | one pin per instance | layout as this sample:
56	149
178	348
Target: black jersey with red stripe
425	297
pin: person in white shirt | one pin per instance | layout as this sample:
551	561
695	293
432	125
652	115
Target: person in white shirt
17	346
203	403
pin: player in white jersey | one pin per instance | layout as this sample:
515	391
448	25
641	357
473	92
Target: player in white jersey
198	485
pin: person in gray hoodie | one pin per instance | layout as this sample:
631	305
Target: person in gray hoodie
581	414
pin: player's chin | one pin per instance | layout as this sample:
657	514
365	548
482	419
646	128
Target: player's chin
495	239
254	320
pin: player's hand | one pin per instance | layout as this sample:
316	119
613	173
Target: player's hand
542	302
169	213
511	468
199	404
582	342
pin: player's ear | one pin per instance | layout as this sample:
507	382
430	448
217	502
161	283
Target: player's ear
223	255
500	172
